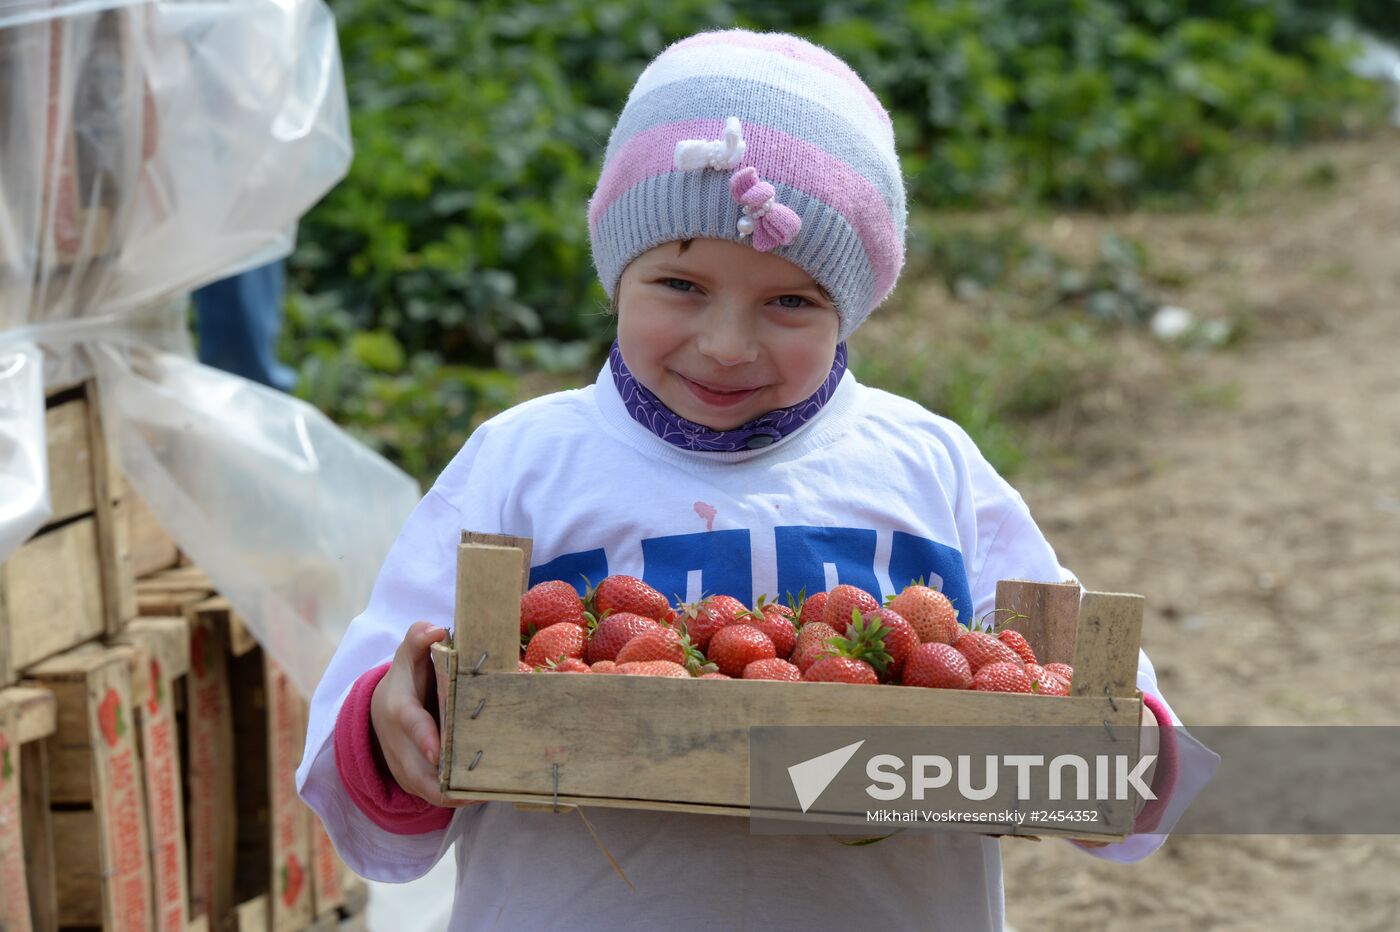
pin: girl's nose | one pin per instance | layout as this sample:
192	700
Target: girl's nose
727	338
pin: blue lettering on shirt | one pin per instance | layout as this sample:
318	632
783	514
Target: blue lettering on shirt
724	560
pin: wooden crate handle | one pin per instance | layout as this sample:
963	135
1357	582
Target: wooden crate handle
1052	615
490	581
1106	644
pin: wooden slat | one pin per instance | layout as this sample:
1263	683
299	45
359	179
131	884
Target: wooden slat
179	579
289	878
70	460
691	742
252	915
38	835
1052	613
165	638
524	544
239	639
211	812
14	886
77	835
50	596
445	669
114	563
488	607
34	709
1106	651
152	550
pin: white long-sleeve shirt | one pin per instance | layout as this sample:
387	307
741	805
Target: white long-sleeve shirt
875	491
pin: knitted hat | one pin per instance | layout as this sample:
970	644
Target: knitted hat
759	138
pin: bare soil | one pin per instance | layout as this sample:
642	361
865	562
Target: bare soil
1252	494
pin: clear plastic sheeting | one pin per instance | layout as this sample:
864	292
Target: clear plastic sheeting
146	149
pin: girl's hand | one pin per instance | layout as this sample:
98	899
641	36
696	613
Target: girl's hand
406	730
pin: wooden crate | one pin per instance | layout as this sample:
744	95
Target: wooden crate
159	653
504	732
27	896
97	794
71	581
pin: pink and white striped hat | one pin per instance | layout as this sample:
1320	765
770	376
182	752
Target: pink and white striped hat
760	138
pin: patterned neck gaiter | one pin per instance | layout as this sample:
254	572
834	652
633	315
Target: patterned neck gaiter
762	431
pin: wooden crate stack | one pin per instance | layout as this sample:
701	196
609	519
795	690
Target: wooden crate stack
144	735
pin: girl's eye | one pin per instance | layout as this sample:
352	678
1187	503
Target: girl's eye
792	301
679	284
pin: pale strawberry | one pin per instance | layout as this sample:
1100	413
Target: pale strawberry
603	666
549	603
561	640
654	668
661	644
1046	682
1017	642
981	649
628	594
841	670
523	667
812	640
842	601
930	612
735	647
1001	677
937	666
773	669
702	619
614	631
565	665
1063	669
713	676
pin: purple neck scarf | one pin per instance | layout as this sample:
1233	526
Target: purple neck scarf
762	431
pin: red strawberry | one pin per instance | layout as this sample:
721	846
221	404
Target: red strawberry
938	666
930	612
735	647
561	640
1017	642
654	668
1002	677
629	594
523	667
549	603
157	692
775	621
811	641
565	665
1046	682
811	608
109	718
613	632
842	601
899	636
702	619
1064	669
604	666
773	669
661	644
841	670
293	878
980	649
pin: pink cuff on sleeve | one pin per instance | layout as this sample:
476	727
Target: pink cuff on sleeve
1164	778
365	774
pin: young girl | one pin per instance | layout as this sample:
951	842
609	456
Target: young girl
750	215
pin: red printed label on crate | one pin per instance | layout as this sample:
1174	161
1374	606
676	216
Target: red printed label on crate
290	848
326	867
209	715
163	798
126	840
14	892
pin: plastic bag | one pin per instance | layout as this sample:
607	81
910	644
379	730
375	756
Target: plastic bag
150	148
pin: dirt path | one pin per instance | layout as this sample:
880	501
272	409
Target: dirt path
1264	529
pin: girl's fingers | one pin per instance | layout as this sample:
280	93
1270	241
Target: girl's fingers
419	639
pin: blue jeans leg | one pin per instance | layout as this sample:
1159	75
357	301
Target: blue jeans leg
239	320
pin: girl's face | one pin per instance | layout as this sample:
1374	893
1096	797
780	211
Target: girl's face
723	333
